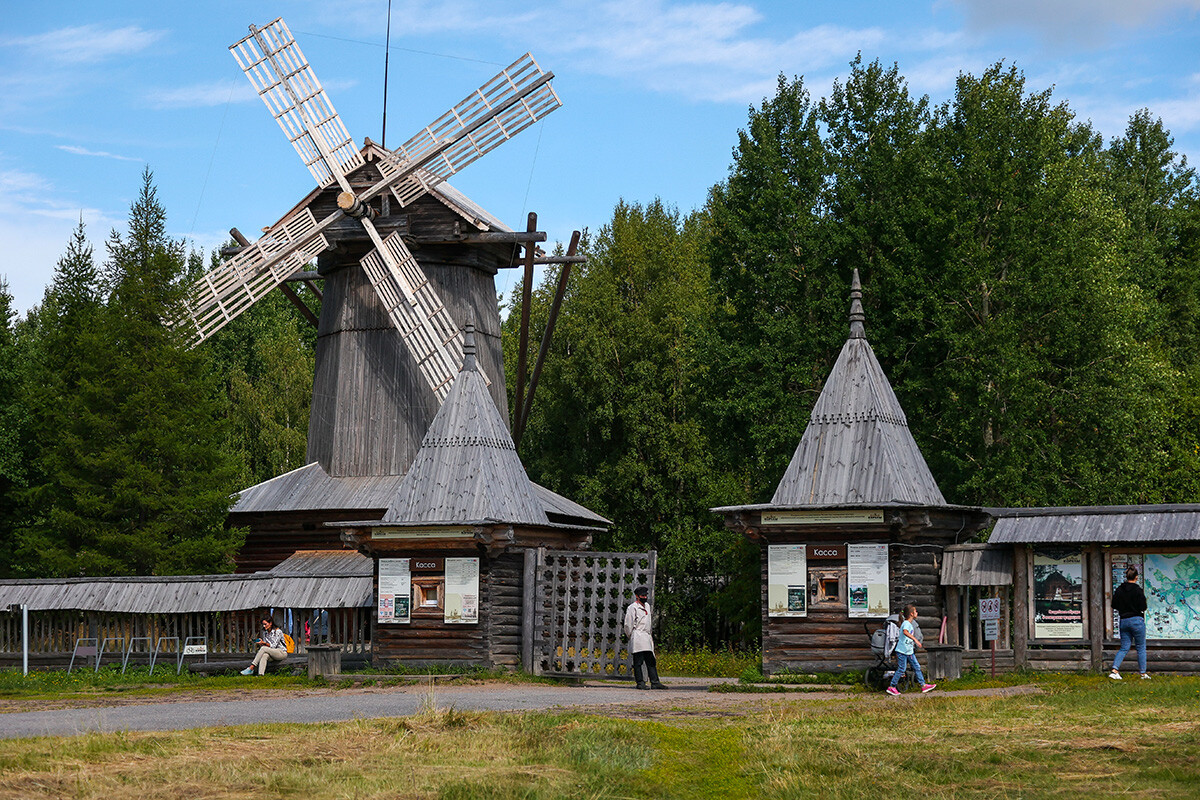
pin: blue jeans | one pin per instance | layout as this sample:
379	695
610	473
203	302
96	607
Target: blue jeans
1133	631
902	662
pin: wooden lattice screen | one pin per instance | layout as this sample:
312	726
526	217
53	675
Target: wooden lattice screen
578	602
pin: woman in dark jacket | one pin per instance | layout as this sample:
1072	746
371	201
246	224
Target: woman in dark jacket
1129	601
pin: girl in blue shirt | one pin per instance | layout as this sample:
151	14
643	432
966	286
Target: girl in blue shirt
905	653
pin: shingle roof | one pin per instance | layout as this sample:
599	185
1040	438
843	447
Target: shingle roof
857	448
310	488
336	579
467	468
1104	524
977	565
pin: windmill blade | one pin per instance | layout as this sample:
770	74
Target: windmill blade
510	102
219	296
417	312
288	86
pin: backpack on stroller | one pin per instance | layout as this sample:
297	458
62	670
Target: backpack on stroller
883	647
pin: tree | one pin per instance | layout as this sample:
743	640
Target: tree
137	481
12	426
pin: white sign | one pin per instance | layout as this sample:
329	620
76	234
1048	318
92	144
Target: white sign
991	630
787	580
867	580
395	590
462	591
989	608
827	517
195	649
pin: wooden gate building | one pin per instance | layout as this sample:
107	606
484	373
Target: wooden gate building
857	526
449	552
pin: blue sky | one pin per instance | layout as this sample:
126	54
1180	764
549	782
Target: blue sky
654	92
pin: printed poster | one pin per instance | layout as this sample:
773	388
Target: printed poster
867	580
1120	562
787	580
462	590
1057	596
395	591
1172	586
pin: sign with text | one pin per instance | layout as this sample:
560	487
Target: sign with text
867	580
991	630
826	552
826	517
1057	595
195	649
989	608
462	591
428	565
395	591
787	581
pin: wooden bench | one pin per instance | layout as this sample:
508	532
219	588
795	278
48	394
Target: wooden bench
292	665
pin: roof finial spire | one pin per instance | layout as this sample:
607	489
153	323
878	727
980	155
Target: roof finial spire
856	310
469	347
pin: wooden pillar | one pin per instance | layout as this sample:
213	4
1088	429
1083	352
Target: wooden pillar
952	616
1095	561
528	599
1020	605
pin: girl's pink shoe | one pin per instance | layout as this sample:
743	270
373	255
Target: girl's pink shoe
929	687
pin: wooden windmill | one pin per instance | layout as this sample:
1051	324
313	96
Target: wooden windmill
389	341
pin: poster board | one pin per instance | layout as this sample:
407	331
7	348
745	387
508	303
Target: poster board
1171	582
394	603
1058	596
867	580
787	580
462	591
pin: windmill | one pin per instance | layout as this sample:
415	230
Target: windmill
389	341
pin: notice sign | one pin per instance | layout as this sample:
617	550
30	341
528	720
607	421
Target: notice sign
195	650
991	630
989	608
1057	596
787	581
462	590
867	580
395	590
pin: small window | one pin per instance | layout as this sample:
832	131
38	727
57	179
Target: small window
428	595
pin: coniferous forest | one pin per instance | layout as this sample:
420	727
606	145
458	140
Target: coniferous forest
1031	290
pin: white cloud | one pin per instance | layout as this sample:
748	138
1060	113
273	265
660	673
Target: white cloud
81	151
1083	21
203	95
86	44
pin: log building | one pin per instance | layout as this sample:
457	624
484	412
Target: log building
857	526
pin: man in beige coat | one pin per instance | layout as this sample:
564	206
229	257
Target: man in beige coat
641	642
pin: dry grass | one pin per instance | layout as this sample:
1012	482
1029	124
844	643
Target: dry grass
1083	739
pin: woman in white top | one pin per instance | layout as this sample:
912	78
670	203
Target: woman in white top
271	647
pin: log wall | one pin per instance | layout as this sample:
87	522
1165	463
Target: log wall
273	537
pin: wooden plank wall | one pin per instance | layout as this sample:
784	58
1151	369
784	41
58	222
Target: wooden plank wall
505	588
429	641
829	640
272	537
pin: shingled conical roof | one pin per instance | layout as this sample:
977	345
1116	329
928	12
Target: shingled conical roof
467	469
857	449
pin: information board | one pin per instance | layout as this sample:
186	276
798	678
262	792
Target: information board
787	580
395	591
1057	595
462	591
989	608
867	580
991	630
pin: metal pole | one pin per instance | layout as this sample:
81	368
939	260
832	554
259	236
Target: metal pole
24	639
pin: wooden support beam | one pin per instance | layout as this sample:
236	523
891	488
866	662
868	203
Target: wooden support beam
288	292
523	343
1021	601
559	293
1095	584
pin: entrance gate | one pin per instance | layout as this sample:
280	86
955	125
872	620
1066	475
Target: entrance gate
574	607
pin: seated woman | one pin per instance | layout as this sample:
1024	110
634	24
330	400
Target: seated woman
271	647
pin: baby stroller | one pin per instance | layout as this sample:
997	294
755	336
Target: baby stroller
883	647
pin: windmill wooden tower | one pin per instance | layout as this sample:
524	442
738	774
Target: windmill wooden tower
389	341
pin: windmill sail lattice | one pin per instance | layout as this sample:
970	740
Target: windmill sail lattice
510	102
488	117
284	80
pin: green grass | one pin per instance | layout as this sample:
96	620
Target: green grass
706	663
1082	736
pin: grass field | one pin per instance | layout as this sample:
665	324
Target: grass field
1082	735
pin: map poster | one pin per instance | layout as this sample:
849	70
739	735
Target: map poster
1172	585
1121	562
395	590
867	580
1057	595
462	591
787	580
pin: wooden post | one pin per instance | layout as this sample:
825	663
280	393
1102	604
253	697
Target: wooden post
952	618
528	599
1020	605
1095	560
